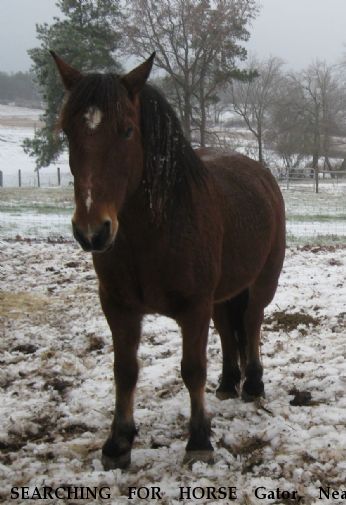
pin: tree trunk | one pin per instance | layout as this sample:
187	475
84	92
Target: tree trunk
186	120
260	144
316	180
329	166
260	148
315	158
316	147
203	118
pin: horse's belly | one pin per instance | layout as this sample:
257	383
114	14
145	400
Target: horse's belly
243	259
232	283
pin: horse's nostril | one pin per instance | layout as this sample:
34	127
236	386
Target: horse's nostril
101	237
81	238
107	225
93	240
105	229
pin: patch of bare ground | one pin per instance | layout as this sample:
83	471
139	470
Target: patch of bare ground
321	248
20	122
14	304
282	320
250	451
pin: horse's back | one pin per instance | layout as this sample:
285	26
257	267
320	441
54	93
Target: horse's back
239	175
253	215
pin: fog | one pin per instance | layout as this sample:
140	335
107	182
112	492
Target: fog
298	31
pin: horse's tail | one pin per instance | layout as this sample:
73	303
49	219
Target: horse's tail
237	307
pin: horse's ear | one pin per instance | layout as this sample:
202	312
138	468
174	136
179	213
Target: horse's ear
135	80
69	75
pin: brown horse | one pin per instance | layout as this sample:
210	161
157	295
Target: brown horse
192	235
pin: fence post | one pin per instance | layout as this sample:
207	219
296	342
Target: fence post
288	178
316	180
20	178
1	179
59	176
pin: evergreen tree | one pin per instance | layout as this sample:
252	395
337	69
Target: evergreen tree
86	38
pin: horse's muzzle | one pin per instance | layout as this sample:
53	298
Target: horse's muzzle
99	240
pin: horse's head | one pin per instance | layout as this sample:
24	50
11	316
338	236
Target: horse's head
101	120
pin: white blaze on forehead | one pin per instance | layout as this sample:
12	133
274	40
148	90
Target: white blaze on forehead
88	200
93	117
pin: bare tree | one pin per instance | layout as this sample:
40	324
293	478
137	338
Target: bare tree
252	100
198	43
288	133
310	112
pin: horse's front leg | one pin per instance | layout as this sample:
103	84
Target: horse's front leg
126	329
194	323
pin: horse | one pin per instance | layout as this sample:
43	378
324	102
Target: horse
195	235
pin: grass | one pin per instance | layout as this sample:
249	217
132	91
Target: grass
37	209
60	197
32	210
316	217
318	239
16	305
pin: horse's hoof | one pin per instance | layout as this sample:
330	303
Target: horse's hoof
226	395
252	390
123	461
192	457
247	397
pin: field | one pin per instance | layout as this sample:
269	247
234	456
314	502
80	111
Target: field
57	387
46	213
56	361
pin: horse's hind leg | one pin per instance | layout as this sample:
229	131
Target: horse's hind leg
261	294
253	386
126	328
229	322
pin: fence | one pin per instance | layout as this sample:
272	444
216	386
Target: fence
36	179
306	180
41	213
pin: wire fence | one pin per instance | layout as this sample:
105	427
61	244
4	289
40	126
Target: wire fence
332	181
45	213
42	178
315	217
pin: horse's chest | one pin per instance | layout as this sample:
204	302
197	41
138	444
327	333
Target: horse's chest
149	283
158	289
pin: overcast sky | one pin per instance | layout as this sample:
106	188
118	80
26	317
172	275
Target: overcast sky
298	31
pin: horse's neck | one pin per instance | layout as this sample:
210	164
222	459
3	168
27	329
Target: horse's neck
136	215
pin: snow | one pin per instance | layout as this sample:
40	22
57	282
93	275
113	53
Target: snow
11	158
57	388
19	112
16	124
309	217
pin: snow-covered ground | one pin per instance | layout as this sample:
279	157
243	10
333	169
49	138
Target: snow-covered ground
56	362
16	124
57	387
12	111
46	212
45	217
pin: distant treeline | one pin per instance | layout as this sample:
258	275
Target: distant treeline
18	88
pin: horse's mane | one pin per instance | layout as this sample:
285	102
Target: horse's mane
96	90
171	165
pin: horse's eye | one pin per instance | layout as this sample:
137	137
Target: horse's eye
128	132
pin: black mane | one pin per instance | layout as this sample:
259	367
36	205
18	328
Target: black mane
97	90
171	165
